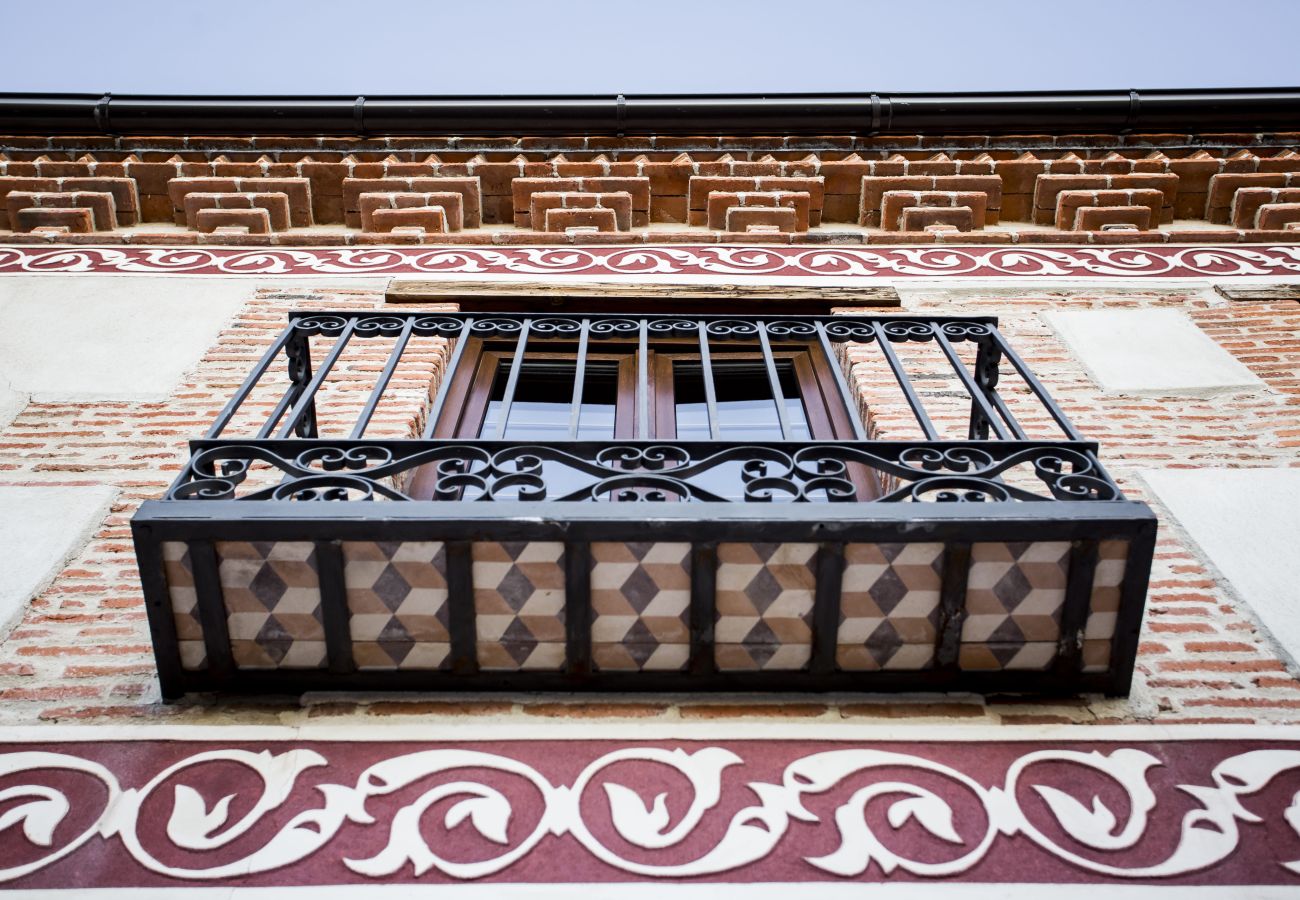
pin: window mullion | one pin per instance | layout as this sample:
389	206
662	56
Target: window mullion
513	381
579	377
710	397
778	397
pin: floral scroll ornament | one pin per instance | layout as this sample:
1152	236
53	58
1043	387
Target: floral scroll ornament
1208	834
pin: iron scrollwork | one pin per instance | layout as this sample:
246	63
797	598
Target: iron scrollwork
486	471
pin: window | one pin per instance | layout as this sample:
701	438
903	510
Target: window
698	389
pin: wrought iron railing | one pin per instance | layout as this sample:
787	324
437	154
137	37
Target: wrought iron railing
313	467
352	524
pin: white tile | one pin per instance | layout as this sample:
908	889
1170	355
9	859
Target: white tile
41	528
91	337
1153	352
1247	522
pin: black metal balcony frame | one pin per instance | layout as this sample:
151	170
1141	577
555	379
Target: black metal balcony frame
332	490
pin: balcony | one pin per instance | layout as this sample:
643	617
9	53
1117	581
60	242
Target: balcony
643	502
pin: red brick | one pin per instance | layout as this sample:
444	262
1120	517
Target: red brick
759	218
560	220
892	204
541	202
257	221
1276	216
433	219
76	220
276	206
920	218
720	202
451	202
100	203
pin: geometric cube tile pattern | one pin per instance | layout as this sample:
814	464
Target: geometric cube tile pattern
640	602
185	609
1014	597
889	606
764	606
519	604
397	601
1112	561
272	597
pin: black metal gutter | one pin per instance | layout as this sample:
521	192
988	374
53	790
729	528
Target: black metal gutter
1157	111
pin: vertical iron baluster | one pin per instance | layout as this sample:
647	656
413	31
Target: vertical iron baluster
849	400
988	363
297	351
774	380
710	397
905	383
228	412
643	381
308	397
513	381
579	377
435	410
976	395
377	393
1036	386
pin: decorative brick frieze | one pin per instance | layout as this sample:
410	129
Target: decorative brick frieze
672	179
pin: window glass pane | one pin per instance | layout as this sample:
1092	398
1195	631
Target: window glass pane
541	405
746	411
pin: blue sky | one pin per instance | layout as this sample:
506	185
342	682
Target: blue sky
644	46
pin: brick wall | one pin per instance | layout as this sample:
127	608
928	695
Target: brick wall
82	651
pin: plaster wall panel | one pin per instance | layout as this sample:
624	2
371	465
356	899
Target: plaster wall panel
84	337
50	525
1247	522
1152	352
11	404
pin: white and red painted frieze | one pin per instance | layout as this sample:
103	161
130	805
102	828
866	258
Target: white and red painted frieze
264	808
739	261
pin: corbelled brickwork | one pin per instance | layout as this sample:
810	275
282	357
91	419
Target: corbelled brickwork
82	651
1020	183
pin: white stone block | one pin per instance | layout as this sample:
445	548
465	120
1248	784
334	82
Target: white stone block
1247	522
1150	352
96	337
41	528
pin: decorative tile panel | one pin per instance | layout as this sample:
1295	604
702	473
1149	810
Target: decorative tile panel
1103	607
519	604
185	605
640	603
889	606
764	606
1014	596
272	597
397	600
